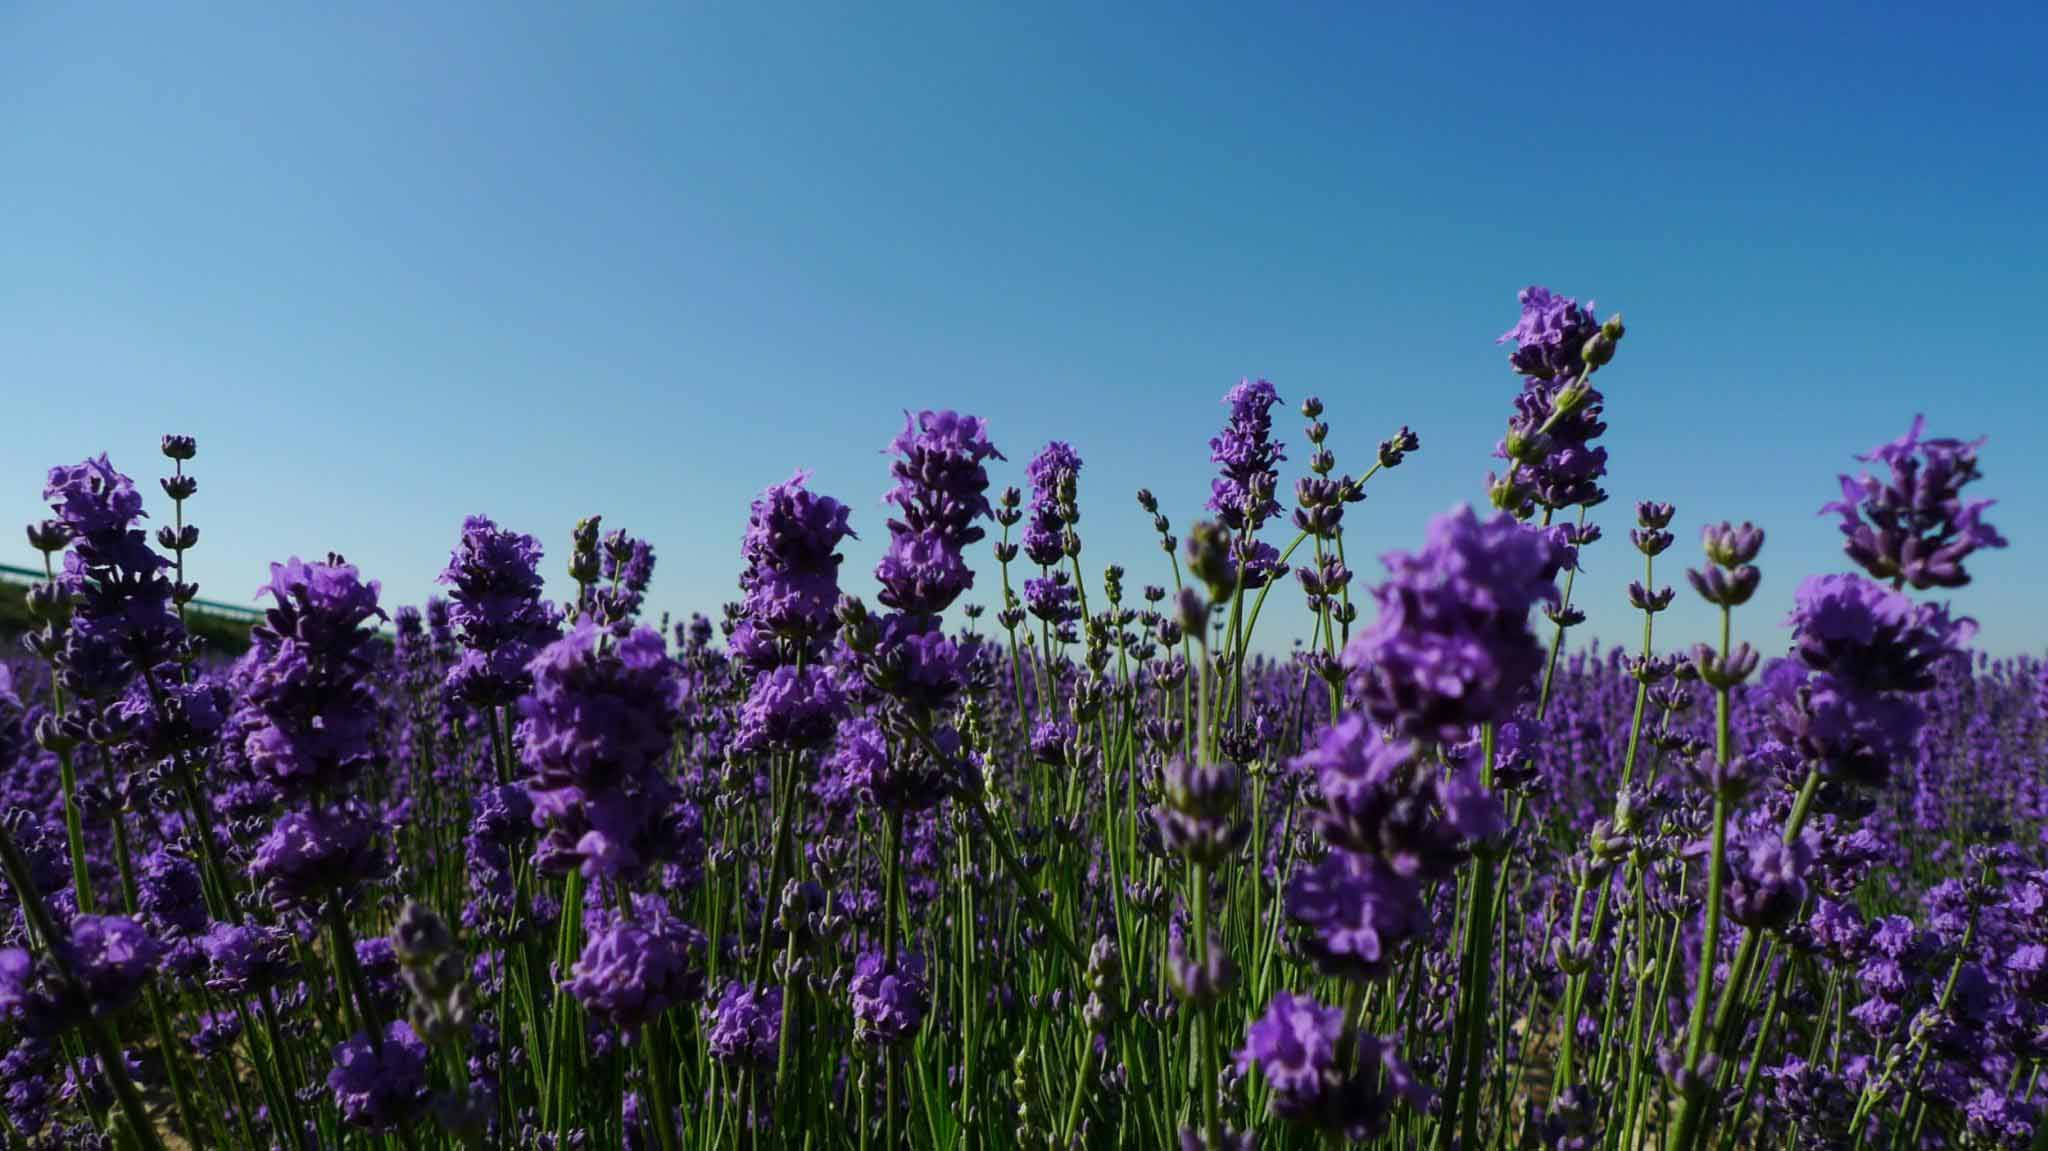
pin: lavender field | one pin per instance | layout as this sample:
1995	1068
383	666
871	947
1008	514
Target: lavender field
1005	848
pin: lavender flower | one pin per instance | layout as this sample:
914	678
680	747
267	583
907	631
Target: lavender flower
639	966
1767	880
889	1001
1379	800
792	578
1053	473
1354	914
313	854
379	1086
121	620
1452	647
1871	638
308	712
744	1028
113	957
593	732
1557	415
1913	525
1322	1074
497	610
940	495
1242	497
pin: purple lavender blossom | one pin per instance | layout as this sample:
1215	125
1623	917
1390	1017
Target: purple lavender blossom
1913	525
1550	337
789	708
308	711
246	958
1767	880
113	957
1557	415
889	1001
792	578
940	495
639	966
1321	1074
1452	646
1354	914
1052	471
1380	800
1243	495
378	1086
122	623
593	733
744	1028
313	854
497	610
1871	637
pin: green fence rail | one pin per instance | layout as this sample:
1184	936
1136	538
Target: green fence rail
219	626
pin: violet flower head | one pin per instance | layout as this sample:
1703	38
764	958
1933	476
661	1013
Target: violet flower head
93	498
859	760
593	733
1053	472
789	708
889	1001
122	621
1550	439
216	1034
1242	496
169	894
1871	637
1767	880
245	958
378	1086
941	483
1197	815
791	582
312	854
497	610
922	573
1324	1075
1452	646
308	712
33	997
1353	913
1996	1118
639	966
1731	576
1200	975
626	571
1380	800
1849	733
598	713
113	956
1551	335
1053	599
744	1028
1294	1045
940	496
1913	525
325	607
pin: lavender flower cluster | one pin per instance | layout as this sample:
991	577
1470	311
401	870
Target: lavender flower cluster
829	872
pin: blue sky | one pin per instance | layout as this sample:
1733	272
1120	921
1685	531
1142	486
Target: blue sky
396	264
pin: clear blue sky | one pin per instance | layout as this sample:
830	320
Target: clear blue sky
396	264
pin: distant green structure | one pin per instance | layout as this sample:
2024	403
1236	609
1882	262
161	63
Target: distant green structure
220	627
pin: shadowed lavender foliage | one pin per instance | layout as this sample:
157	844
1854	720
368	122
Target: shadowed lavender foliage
1109	874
